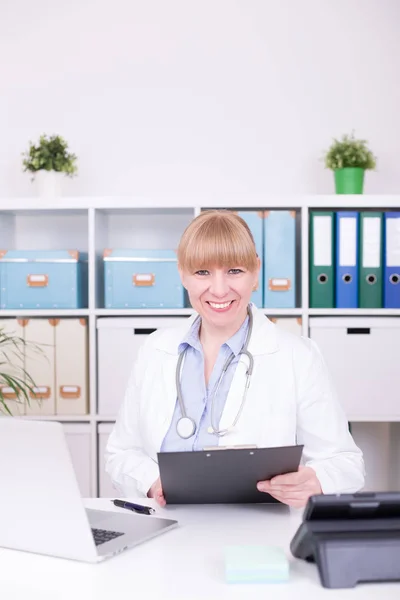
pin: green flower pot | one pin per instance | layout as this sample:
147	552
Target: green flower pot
349	180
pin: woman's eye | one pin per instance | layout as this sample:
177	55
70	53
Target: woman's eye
235	271
202	272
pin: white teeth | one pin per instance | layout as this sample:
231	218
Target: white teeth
225	305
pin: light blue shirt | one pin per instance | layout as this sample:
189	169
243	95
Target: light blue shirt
197	396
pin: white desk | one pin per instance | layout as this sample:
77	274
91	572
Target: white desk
185	563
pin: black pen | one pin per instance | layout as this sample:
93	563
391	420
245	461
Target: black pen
138	508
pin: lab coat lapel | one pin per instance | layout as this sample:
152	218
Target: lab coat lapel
235	396
263	341
170	395
168	345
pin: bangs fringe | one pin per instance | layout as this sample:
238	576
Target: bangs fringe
217	242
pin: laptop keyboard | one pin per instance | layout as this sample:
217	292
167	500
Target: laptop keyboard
102	535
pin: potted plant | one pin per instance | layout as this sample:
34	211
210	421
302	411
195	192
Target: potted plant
48	160
349	158
15	382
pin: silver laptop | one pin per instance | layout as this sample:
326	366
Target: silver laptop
41	509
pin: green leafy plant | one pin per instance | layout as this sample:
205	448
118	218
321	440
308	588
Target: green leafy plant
15	381
50	154
349	152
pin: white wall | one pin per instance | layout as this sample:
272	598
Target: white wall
207	97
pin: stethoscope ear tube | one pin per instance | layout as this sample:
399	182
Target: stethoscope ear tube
178	384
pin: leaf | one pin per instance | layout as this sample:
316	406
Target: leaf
349	152
51	154
12	372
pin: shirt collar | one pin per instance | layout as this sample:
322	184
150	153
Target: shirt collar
264	338
235	342
192	337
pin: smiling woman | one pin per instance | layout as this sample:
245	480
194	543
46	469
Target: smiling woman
219	268
230	376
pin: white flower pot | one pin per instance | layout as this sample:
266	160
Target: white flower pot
48	183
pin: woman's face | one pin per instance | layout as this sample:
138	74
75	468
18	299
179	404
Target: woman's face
219	294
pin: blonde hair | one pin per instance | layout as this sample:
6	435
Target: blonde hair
217	238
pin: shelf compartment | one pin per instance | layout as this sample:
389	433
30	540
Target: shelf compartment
135	228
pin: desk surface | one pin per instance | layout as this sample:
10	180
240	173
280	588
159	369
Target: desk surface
184	563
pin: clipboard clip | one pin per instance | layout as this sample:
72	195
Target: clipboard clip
239	447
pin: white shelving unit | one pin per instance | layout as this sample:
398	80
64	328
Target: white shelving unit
92	224
39	313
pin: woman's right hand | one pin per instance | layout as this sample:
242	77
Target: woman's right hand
156	492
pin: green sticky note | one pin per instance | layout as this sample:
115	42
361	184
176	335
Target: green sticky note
256	564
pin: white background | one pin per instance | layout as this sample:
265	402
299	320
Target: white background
210	97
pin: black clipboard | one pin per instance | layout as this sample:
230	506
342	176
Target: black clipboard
224	475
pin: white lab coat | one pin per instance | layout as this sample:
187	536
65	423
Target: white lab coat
290	400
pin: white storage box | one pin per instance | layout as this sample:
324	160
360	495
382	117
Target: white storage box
40	359
106	488
291	324
78	440
71	366
118	342
363	357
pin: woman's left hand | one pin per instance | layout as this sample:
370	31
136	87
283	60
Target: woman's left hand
293	489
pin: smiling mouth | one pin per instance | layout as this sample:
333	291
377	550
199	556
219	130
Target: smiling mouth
220	305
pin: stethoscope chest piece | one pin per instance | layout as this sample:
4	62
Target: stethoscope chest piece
185	427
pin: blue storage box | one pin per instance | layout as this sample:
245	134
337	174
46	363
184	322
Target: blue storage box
142	279
255	221
43	279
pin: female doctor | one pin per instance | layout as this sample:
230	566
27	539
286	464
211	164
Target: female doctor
229	376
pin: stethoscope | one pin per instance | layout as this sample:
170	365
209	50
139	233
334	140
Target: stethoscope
186	426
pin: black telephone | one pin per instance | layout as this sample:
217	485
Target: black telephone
336	527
